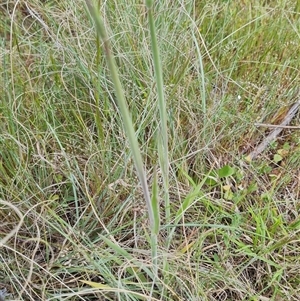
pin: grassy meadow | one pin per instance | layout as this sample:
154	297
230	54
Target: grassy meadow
125	133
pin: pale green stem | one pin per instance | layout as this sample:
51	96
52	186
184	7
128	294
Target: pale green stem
128	125
163	144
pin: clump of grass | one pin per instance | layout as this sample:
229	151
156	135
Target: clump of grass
74	218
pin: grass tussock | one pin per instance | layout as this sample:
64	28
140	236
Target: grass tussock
74	221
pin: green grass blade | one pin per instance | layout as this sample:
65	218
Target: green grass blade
155	204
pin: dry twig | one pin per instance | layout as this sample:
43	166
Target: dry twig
296	127
278	129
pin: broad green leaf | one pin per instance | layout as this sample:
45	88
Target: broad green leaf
225	171
211	180
277	158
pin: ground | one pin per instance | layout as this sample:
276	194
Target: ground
75	220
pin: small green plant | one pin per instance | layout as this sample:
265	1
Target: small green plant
215	176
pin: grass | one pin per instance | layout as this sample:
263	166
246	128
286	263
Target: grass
75	223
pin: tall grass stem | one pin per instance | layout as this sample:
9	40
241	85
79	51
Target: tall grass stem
163	141
128	125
